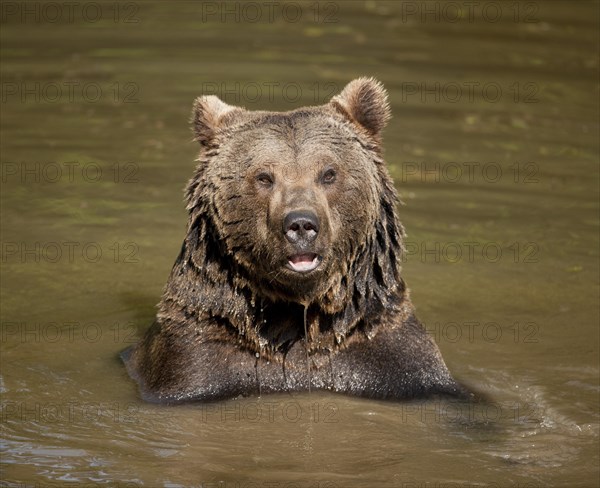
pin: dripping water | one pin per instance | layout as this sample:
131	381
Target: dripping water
261	345
257	355
306	346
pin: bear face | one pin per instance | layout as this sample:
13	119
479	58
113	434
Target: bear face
300	204
289	274
293	195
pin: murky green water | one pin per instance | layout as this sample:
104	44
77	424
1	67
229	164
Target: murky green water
494	148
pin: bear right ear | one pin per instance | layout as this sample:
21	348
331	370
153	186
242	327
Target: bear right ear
365	102
210	114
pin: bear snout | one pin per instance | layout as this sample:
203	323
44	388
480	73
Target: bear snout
301	227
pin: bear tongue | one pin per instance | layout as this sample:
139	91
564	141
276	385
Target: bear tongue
304	262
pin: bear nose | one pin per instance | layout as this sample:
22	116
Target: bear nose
299	226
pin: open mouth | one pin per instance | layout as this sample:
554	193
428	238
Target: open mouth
303	263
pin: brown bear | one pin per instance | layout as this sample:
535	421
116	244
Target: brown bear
289	276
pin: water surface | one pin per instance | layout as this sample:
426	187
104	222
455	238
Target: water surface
494	150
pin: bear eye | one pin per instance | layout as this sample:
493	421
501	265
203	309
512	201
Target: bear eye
265	180
328	176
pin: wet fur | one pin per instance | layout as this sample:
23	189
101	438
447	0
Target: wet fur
228	325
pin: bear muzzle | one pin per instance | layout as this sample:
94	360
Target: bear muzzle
301	228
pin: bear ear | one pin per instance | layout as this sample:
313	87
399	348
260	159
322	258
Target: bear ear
365	102
209	114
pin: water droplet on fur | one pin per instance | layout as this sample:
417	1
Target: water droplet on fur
306	345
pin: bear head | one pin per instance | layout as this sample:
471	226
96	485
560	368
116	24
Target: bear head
291	208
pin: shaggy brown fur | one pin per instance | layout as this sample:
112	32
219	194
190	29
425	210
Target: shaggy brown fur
232	318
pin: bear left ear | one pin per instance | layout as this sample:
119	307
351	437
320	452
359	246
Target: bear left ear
210	114
365	102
